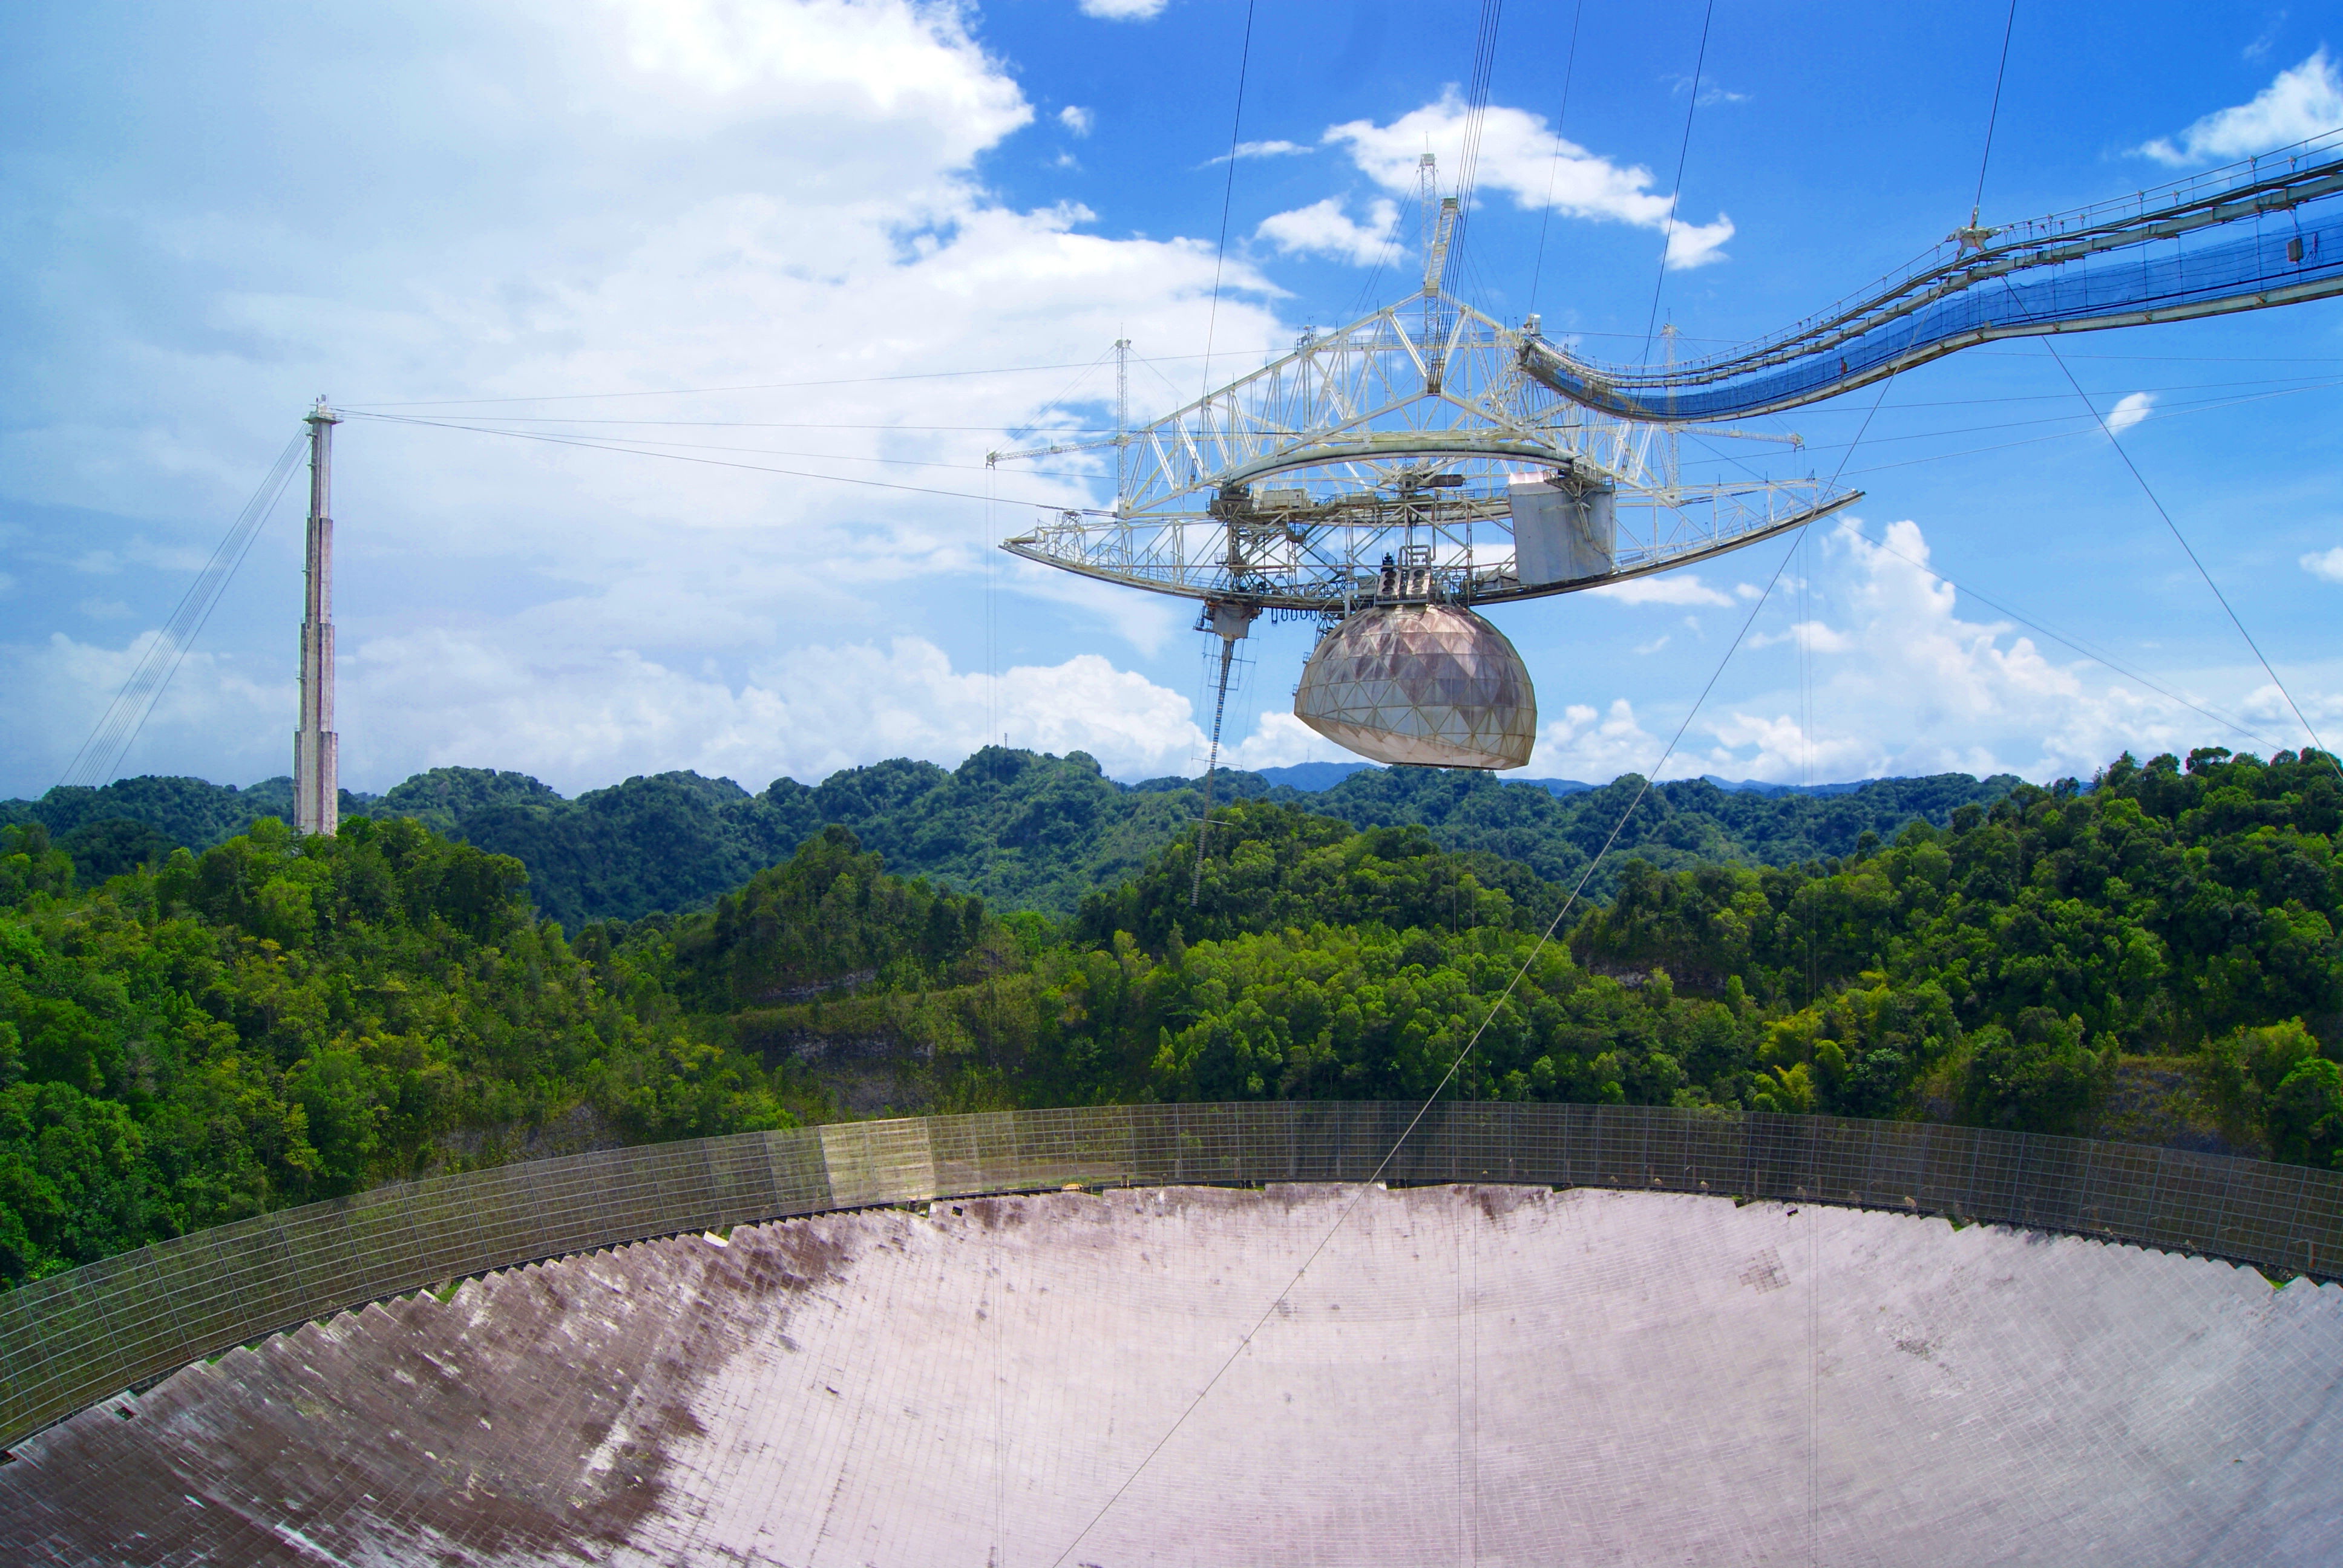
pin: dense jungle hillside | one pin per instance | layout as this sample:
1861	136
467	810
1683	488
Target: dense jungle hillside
276	1019
1022	830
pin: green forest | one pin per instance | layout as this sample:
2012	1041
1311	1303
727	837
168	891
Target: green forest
1023	830
191	1034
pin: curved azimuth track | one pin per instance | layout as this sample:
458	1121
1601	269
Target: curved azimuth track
2268	231
1405	458
1397	438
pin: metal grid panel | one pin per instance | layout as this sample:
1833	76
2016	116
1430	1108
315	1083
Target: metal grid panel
78	1337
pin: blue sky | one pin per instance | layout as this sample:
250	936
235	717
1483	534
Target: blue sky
772	226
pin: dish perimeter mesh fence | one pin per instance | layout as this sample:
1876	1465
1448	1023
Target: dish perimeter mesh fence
73	1339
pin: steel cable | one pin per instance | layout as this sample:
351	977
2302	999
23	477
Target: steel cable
1675	192
124	717
1569	69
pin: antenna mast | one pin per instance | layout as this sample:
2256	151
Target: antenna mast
317	773
1121	423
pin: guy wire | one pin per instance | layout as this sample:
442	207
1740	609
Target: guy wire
117	729
1993	116
2189	550
1569	67
1228	195
1675	192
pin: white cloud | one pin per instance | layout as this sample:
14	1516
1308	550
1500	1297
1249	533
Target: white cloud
1777	751
2327	564
652	604
2266	706
1810	635
1666	587
587	719
890	62
1711	94
1905	685
1280	740
1595	747
1692	244
1274	149
2303	101
1323	228
1148	622
1077	119
60	688
2130	411
1123	10
1518	155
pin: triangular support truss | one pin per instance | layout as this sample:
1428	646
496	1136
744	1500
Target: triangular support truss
1401	437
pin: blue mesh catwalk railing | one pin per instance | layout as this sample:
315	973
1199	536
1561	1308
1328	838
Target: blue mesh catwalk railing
2265	231
74	1339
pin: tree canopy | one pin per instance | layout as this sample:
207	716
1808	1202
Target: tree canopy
286	1019
187	1038
1022	830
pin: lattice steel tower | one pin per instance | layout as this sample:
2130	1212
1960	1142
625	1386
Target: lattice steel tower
316	774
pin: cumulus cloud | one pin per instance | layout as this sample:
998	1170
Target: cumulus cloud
1692	244
2327	564
1077	119
1596	747
2130	411
1521	155
1905	684
1323	228
1280	740
1808	636
2305	101
891	62
580	718
814	287
1778	751
1123	10
228	707
1666	587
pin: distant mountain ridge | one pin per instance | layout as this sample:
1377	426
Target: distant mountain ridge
1316	777
1024	831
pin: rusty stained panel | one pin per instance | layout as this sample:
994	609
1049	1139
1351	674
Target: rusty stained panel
1494	1374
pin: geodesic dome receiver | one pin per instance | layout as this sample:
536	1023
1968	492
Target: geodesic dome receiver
1429	684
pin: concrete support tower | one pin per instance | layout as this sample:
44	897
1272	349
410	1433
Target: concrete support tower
316	774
